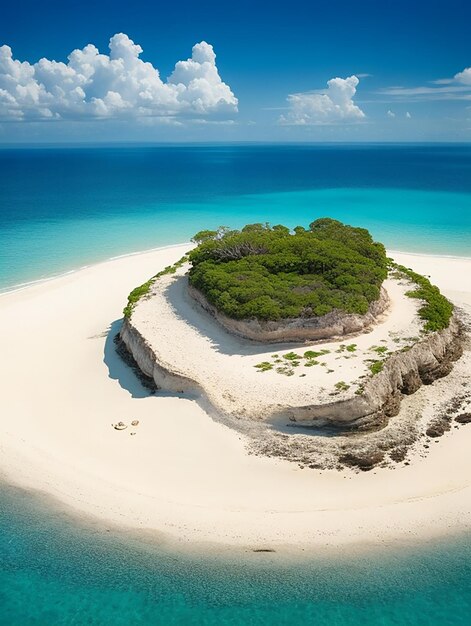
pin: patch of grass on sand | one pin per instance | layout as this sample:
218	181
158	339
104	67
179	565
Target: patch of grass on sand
376	367
138	292
379	349
265	366
286	370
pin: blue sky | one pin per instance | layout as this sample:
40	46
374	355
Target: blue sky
397	71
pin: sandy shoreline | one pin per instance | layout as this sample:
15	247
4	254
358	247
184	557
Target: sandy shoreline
184	474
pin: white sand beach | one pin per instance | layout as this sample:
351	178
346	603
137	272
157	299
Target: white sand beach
182	473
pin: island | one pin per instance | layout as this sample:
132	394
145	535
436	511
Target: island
292	335
214	457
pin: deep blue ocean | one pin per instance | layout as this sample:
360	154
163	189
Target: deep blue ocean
62	208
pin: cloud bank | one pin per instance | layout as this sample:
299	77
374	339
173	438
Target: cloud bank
334	106
456	88
464	77
119	85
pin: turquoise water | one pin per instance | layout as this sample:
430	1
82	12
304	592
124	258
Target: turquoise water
64	208
56	570
38	250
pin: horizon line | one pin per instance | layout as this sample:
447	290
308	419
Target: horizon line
123	144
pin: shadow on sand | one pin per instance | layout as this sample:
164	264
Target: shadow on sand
187	309
122	368
118	369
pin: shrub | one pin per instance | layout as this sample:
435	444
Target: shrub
270	273
311	354
376	367
380	349
137	293
436	310
265	366
286	370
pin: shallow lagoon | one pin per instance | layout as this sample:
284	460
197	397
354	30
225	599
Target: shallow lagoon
60	570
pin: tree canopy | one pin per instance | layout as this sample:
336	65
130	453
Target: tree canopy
270	272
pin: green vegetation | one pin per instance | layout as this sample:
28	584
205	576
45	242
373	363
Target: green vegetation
352	347
265	366
286	362
341	386
286	370
137	293
436	310
311	354
379	349
376	367
292	356
271	273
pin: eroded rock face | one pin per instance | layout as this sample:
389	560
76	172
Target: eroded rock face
334	324
144	356
411	382
403	373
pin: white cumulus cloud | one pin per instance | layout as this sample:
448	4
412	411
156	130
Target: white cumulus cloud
333	106
118	85
464	76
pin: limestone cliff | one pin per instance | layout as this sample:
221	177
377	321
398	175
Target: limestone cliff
403	373
334	324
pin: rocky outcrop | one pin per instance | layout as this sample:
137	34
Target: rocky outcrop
334	324
402	374
163	375
463	418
